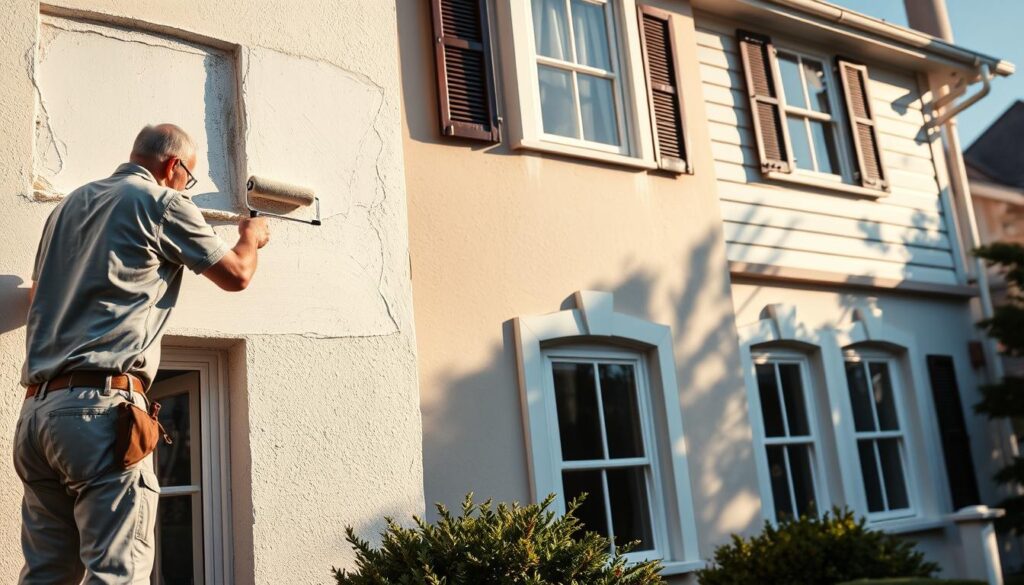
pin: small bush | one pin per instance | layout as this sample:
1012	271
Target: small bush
815	551
506	545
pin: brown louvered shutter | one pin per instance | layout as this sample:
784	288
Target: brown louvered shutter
956	445
465	82
663	88
758	57
863	130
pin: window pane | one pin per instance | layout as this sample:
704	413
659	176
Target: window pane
798	138
579	424
814	75
174	461
591	513
591	30
597	105
793	393
771	410
860	398
824	137
556	101
791	84
869	469
621	410
884	400
631	517
892	469
176	534
551	29
780	482
800	462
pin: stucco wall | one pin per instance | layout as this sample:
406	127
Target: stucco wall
324	400
499	233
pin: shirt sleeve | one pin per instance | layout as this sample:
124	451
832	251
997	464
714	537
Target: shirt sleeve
44	243
185	238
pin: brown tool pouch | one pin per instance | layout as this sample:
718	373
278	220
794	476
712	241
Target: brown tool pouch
138	433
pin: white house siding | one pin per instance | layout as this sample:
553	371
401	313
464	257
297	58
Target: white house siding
901	236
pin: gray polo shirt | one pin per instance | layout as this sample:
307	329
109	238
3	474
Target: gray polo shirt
108	272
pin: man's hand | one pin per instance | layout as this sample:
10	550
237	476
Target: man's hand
255	229
235	270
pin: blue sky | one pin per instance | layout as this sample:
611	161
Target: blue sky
993	27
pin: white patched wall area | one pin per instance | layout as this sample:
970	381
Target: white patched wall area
252	111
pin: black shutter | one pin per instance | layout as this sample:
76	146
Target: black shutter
863	129
663	89
956	445
465	81
758	55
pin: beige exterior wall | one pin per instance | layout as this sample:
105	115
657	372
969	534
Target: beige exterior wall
319	354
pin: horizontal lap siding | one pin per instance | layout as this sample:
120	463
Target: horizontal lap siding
901	236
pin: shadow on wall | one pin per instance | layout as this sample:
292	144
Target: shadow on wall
14	300
473	436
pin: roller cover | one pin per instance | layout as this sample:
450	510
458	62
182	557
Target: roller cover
272	190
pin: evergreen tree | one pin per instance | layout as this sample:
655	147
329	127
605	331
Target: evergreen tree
1006	398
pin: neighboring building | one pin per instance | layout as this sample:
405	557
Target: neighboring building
698	259
995	166
295	403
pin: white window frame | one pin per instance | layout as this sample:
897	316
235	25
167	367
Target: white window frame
593	321
524	118
655	503
212	404
837	118
863	356
775	356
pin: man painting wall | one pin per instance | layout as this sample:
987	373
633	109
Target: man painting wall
107	275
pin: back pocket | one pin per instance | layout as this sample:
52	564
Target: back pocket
79	442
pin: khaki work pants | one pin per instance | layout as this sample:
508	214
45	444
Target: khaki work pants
84	518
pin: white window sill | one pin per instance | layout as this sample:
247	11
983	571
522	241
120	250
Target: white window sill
909	525
585	153
682	567
810	181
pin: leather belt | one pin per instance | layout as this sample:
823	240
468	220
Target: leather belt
90	380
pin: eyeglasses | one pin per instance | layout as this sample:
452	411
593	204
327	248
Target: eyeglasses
191	178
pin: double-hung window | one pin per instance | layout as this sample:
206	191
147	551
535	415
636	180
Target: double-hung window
808	95
605	447
578	73
879	432
789	438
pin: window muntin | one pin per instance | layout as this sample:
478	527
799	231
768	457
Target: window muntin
881	441
808	95
605	448
578	73
789	435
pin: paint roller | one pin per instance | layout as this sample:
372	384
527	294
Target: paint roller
282	194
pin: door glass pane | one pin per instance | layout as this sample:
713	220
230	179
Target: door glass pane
825	146
884	400
591	513
814	74
780	482
556	101
621	410
551	29
860	398
174	461
579	424
798	138
793	393
791	84
176	534
803	479
771	410
631	519
869	469
591	30
597	106
892	469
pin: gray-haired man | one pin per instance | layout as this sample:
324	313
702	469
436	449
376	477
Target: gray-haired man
107	274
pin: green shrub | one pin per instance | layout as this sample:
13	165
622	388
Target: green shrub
814	551
506	545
